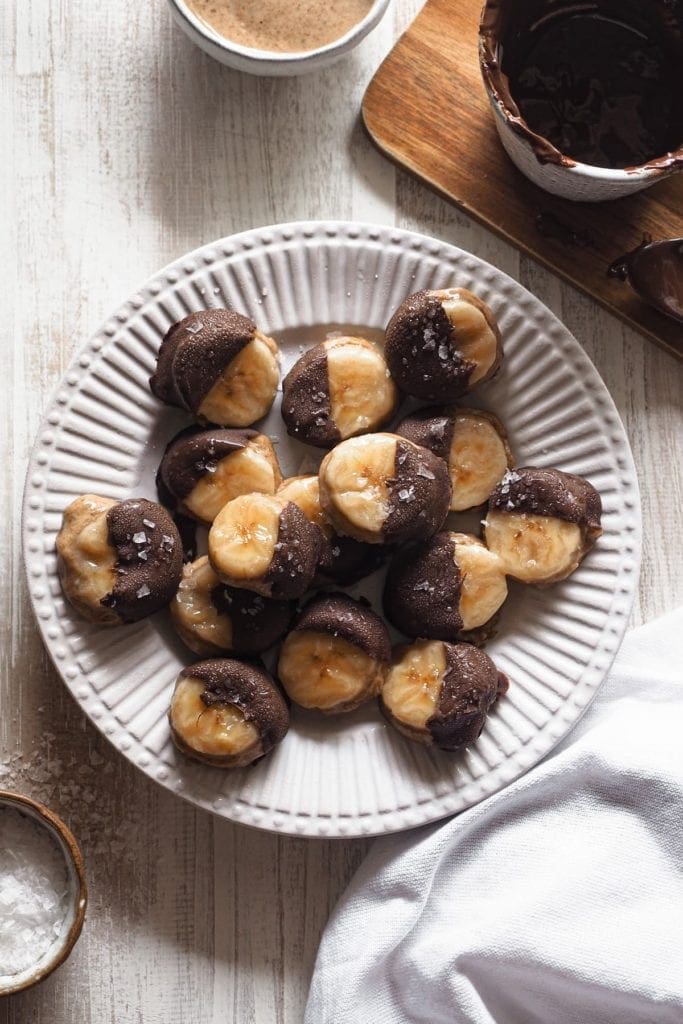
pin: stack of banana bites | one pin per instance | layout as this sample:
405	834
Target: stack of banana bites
280	548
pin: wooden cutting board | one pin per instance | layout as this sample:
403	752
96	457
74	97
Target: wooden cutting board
426	109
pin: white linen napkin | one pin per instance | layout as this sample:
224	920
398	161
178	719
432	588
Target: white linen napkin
558	900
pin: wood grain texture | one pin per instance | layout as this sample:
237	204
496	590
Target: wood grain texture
426	108
124	146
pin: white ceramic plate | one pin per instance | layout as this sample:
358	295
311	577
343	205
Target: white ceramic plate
352	774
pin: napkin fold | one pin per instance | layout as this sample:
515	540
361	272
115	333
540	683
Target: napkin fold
558	900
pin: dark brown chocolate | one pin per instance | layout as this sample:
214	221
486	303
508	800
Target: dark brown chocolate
344	560
655	271
149	558
550	225
162	383
598	82
549	492
193	453
422	590
257	622
250	688
340	616
419	495
421	349
432	428
296	554
186	527
306	407
195	352
470	687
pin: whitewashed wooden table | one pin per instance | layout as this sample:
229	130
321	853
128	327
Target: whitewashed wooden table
123	146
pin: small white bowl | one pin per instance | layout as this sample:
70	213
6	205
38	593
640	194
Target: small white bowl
267	62
78	893
537	158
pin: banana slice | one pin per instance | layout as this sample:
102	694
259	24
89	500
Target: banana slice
383	489
338	389
439	693
211	618
264	543
202	470
473	443
246	388
342	560
227	713
118	561
439	344
541	523
304	491
336	656
217	365
449	588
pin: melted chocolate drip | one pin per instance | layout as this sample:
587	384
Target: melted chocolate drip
550	226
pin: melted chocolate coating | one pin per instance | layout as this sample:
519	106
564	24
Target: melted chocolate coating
250	688
344	560
296	556
417	332
194	353
419	495
599	82
194	452
470	687
422	591
549	492
186	527
257	622
148	571
339	615
306	407
432	428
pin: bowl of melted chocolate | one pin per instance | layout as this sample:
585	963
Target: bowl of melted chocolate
587	97
277	37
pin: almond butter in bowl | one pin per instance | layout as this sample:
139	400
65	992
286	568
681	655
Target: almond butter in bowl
282	26
277	37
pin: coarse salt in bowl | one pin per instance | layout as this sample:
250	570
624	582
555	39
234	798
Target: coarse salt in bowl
43	893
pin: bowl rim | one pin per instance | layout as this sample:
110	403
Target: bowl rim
286	57
53	822
514	122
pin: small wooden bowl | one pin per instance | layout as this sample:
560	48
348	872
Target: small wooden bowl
61	947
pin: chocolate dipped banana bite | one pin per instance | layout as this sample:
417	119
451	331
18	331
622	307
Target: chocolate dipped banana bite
449	588
439	344
227	713
264	543
342	560
383	489
439	694
217	365
118	561
473	443
339	389
541	523
336	656
212	618
202	470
